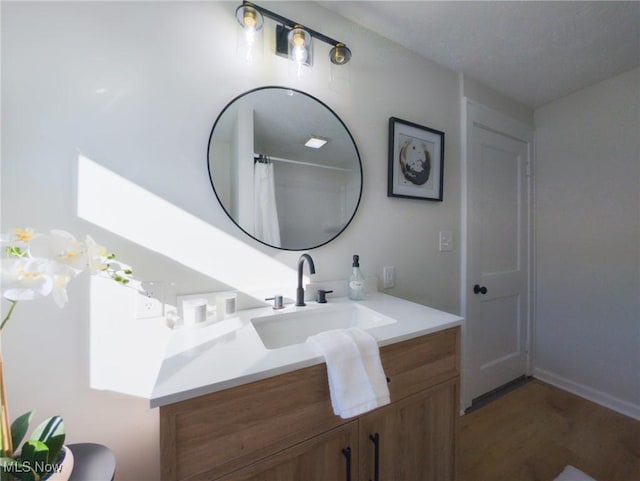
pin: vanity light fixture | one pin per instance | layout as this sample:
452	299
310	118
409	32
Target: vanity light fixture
250	18
293	40
251	21
315	142
299	46
340	54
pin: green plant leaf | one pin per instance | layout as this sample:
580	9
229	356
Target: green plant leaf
7	465
52	433
34	452
14	469
19	428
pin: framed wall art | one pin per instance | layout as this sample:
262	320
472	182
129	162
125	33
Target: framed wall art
416	161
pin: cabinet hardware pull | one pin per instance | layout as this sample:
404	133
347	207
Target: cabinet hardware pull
376	456
347	454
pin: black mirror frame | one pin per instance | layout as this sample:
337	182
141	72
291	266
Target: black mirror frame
238	97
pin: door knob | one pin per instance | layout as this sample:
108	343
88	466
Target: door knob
477	289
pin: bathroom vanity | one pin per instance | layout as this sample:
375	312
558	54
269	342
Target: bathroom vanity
248	398
252	413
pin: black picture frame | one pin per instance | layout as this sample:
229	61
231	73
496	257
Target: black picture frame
416	161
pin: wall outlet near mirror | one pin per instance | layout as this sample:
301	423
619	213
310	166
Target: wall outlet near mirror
150	302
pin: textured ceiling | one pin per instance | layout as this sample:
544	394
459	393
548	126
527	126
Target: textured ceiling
533	52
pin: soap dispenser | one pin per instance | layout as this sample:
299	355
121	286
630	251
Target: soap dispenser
356	281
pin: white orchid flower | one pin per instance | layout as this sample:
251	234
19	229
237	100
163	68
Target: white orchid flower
35	265
61	247
61	275
24	279
59	291
21	235
97	256
17	240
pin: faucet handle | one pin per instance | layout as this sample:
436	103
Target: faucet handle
321	296
278	302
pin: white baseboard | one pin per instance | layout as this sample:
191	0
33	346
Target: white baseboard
599	397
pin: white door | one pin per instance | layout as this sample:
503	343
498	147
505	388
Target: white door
497	274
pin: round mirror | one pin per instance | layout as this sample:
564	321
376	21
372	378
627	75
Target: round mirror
285	168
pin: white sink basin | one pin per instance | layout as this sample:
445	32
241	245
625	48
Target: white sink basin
285	329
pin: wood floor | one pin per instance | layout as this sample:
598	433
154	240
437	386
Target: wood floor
532	432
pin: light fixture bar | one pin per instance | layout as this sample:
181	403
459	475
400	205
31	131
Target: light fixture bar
292	24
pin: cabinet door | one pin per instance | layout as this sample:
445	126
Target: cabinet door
415	438
332	456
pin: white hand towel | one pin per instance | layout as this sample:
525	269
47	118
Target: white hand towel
357	382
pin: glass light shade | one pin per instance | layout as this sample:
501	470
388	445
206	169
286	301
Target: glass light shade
300	46
340	68
249	18
249	38
339	77
340	54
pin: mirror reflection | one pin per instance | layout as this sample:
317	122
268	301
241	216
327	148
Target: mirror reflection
285	168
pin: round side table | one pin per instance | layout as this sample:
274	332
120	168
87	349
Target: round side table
92	462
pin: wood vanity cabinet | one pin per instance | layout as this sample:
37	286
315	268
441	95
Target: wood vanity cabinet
283	428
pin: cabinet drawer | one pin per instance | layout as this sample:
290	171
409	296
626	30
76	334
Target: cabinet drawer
206	437
419	363
322	458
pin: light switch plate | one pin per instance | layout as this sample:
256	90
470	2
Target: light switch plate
388	277
446	241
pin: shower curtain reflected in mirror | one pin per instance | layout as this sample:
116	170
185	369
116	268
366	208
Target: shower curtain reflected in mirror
266	225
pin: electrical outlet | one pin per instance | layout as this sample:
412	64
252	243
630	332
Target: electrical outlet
388	277
150	302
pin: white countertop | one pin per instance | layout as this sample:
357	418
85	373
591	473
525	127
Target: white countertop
220	355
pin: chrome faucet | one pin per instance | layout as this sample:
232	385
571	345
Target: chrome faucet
312	270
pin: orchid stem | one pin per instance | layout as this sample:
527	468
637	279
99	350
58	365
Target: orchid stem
4	321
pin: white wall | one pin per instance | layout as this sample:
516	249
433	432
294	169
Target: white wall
587	177
136	86
474	90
